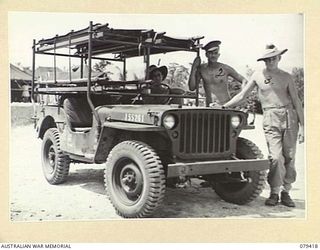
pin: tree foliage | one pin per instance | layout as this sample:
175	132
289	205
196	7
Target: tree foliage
298	78
101	66
178	76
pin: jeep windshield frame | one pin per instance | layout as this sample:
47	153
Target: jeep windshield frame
95	42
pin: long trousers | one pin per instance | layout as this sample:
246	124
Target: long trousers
280	126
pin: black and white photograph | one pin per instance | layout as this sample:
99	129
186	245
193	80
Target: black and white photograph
156	116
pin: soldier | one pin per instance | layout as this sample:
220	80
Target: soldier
283	113
158	75
25	96
214	75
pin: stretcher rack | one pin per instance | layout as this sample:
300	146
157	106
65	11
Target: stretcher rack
101	42
101	86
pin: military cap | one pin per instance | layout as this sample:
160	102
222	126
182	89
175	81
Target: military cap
211	46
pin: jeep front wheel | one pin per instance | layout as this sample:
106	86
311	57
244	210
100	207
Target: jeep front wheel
134	179
247	185
55	164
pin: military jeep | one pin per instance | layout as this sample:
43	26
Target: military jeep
145	146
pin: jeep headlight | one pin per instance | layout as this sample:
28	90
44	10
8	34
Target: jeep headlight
169	121
235	121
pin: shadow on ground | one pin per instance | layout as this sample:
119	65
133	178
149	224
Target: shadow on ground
187	204
89	179
193	201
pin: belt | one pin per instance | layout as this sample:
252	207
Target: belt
278	107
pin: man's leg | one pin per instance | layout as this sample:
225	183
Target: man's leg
289	151
277	170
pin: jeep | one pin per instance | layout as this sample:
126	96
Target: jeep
145	146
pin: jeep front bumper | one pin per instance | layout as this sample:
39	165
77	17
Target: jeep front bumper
216	167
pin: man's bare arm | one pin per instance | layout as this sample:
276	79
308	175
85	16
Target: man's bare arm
241	95
297	105
235	75
296	102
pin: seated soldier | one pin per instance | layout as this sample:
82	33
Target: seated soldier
157	75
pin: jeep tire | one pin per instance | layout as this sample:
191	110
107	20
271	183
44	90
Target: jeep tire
243	192
55	164
134	179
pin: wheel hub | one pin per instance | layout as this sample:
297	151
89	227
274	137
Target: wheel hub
51	156
131	180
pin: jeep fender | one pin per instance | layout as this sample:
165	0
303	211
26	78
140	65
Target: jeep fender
114	132
44	124
48	118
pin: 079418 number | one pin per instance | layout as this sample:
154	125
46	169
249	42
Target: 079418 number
306	245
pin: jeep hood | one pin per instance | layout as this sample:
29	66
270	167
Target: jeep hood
142	114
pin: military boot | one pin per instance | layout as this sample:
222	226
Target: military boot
286	199
272	200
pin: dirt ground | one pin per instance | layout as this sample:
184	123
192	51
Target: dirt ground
83	197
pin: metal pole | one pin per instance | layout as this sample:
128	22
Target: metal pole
54	63
69	57
33	68
124	70
89	79
197	83
79	56
147	60
81	65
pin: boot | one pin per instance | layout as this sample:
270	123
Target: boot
272	200
286	199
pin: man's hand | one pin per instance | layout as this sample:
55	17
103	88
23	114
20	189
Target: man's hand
301	134
215	105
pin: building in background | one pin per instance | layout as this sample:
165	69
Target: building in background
20	83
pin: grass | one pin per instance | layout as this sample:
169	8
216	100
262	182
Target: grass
21	114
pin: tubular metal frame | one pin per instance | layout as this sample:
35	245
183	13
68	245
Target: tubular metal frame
89	56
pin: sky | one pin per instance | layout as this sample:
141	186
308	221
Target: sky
243	36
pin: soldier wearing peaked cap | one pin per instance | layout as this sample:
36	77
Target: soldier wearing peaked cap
212	46
283	122
214	75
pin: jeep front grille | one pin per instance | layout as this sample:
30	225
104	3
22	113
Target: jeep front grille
204	133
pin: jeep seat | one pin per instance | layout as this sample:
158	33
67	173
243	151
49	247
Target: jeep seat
78	112
176	100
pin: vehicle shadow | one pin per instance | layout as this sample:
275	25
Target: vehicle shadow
193	201
89	179
205	203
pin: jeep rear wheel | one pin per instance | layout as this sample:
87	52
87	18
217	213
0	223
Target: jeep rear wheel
55	164
134	179
252	183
